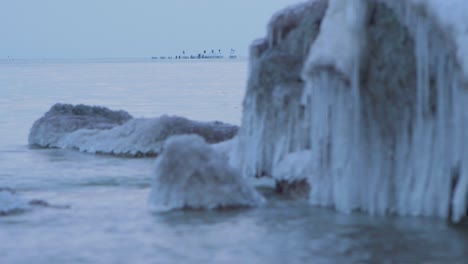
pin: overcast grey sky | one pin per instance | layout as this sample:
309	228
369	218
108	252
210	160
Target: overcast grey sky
129	28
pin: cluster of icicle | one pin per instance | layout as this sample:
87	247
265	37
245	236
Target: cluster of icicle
375	112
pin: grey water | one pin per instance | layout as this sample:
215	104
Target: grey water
100	212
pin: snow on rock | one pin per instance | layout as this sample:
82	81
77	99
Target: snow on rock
121	135
388	138
190	174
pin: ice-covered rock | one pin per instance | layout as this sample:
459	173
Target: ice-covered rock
63	119
381	107
190	174
94	132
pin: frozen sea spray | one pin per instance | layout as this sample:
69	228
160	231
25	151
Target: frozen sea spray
190	174
121	135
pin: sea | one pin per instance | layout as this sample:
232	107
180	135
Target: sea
94	208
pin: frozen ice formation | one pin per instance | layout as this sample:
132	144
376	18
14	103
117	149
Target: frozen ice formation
290	174
451	17
100	130
273	121
225	148
293	167
373	95
190	174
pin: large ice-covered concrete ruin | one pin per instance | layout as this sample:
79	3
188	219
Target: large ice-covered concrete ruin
363	101
367	101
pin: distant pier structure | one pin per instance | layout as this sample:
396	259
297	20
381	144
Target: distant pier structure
206	54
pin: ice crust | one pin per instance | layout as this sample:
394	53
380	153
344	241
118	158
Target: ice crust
190	174
378	102
115	132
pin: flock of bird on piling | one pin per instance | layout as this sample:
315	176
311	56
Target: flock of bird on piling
205	55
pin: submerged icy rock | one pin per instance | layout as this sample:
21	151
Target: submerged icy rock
100	130
190	174
11	203
379	100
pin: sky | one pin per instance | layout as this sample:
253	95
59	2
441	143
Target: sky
41	29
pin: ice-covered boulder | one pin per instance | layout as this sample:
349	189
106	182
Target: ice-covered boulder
63	119
378	97
121	135
144	136
190	174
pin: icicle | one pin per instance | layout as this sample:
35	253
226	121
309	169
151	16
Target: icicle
409	170
332	73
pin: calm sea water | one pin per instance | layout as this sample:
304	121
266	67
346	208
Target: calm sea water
106	220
